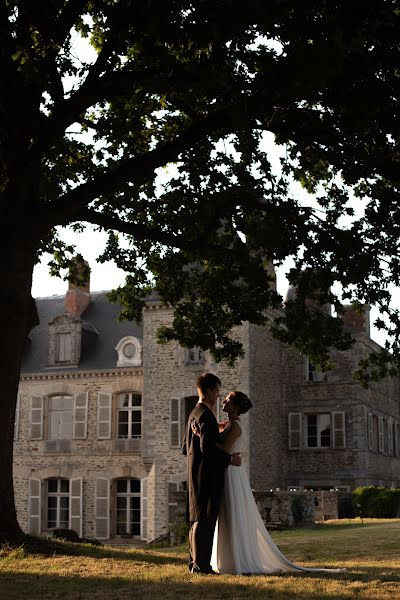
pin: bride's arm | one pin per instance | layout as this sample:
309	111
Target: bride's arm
232	435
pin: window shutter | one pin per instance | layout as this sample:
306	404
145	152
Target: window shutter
35	506
380	434
295	430
104	416
16	421
174	422
75	505
339	429
217	411
80	416
370	431
390	435
396	433
143	508
36	418
102	528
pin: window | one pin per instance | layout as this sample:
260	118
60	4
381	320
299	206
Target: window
312	374
60	417
196	356
189	356
63	347
129	416
57	503
318	431
128	507
129	350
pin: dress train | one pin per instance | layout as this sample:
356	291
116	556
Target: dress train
242	543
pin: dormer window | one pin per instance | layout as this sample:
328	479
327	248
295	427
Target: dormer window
129	351
65	336
63	347
312	374
189	356
196	356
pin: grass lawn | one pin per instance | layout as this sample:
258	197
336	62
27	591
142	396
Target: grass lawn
370	553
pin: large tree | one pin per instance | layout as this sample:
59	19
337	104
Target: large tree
197	86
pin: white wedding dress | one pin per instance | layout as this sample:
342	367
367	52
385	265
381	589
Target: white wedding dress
242	543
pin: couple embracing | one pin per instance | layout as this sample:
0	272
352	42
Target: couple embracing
227	533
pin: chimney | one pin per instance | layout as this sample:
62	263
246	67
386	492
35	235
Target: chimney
356	322
269	267
77	298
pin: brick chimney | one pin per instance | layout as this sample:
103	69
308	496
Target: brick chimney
356	322
77	298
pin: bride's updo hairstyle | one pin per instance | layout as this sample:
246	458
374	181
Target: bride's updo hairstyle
241	401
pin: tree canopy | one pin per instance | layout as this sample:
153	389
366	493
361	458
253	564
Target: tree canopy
195	87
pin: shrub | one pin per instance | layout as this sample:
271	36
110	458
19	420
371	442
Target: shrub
179	531
297	508
9	552
68	535
376	502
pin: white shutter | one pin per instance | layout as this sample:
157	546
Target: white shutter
217	411
75	505
102	529
390	435
80	416
16	421
380	434
36	418
143	508
35	506
104	415
175	422
294	423
339	429
370	431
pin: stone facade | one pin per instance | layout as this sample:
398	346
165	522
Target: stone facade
99	449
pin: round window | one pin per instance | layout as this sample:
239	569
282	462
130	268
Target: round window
129	350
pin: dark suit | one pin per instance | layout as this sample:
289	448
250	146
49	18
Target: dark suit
205	480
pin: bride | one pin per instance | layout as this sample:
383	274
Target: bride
242	544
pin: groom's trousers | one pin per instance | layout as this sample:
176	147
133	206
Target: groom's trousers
201	537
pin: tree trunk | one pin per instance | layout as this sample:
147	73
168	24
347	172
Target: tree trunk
17	259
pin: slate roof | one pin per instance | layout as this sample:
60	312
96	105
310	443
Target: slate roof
100	334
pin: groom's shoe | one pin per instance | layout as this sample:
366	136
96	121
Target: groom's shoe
209	572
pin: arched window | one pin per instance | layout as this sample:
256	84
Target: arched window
57	503
128	507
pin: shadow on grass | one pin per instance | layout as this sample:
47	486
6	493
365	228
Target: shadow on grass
21	586
51	548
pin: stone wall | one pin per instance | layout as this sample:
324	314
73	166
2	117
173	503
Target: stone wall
356	464
88	458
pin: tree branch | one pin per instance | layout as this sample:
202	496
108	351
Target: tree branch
136	170
139	231
68	111
65	21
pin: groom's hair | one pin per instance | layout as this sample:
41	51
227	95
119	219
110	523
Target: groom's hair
207	381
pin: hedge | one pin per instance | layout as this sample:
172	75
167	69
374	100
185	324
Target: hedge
376	502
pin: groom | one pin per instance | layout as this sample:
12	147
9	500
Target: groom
205	477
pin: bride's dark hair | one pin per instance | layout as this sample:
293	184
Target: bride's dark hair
242	402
